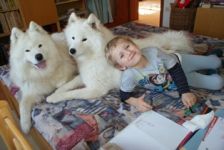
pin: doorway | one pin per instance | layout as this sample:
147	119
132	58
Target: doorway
150	12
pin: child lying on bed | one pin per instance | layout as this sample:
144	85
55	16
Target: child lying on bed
155	70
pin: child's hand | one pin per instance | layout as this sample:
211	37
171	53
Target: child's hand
139	103
188	99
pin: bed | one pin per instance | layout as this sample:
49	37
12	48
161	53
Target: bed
88	124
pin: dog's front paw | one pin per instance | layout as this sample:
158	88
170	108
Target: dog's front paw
52	98
59	90
25	125
60	84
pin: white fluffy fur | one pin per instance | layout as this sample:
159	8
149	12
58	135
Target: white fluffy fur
170	42
35	83
89	37
95	73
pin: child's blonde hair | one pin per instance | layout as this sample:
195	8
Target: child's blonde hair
113	44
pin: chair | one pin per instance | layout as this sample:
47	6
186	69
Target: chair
9	131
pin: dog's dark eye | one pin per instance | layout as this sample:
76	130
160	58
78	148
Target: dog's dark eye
73	37
84	39
40	45
27	50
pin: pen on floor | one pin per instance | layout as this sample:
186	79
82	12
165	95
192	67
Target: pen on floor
184	141
191	110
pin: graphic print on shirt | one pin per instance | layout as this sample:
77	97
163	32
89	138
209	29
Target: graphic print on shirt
158	82
162	82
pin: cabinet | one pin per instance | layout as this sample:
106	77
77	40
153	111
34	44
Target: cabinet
210	21
123	11
65	7
182	19
56	12
10	15
20	12
44	12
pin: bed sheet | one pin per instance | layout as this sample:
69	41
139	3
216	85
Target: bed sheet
79	123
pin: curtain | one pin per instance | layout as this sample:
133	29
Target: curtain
102	9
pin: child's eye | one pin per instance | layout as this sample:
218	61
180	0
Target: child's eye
122	55
127	47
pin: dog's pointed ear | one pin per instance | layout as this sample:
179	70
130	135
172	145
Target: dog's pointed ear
72	18
15	34
93	21
35	27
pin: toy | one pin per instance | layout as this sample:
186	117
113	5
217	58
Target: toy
183	3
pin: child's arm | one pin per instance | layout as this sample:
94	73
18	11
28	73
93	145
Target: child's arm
180	80
175	70
138	102
188	99
126	94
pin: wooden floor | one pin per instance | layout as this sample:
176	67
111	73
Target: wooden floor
149	12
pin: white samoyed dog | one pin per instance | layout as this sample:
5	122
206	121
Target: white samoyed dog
87	39
39	63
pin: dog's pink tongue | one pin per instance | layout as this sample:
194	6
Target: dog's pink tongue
41	64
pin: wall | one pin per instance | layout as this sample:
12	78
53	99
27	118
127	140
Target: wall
166	13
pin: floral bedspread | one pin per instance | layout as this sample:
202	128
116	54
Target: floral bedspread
82	124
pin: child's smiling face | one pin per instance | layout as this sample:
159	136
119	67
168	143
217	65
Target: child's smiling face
126	54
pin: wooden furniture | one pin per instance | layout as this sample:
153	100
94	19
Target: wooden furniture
13	103
57	12
9	131
65	7
123	11
20	12
210	21
10	15
41	11
182	19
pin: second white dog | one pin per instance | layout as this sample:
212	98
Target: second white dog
87	39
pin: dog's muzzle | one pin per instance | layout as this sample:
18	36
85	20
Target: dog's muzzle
72	51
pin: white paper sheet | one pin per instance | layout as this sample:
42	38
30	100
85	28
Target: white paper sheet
151	131
199	121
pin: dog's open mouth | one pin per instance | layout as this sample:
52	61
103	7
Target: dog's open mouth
41	65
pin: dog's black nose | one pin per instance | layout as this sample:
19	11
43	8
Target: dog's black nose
72	51
39	57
